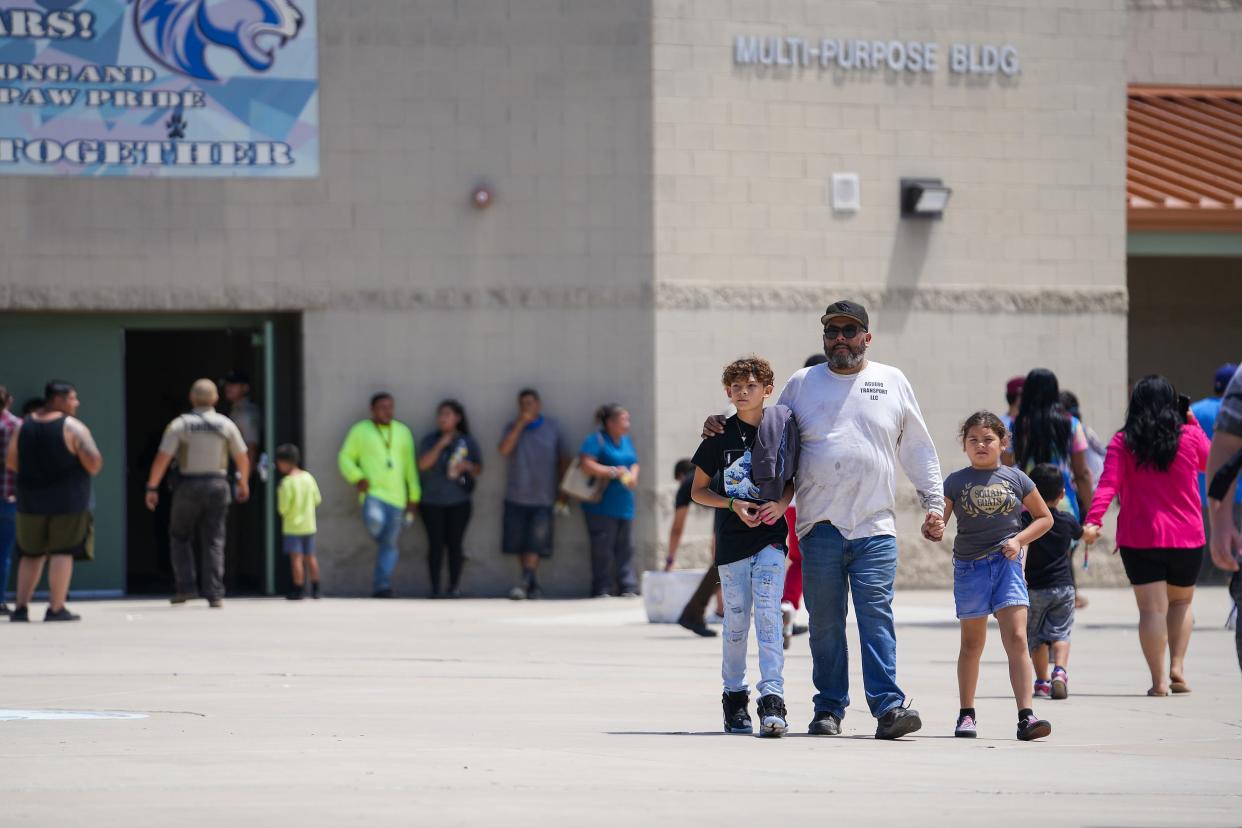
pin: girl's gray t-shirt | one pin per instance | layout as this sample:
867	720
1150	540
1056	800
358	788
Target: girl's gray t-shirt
988	507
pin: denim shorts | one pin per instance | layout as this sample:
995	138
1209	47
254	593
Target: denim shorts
982	587
1052	616
526	530
298	544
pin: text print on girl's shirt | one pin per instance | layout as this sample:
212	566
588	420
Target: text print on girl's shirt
873	389
995	499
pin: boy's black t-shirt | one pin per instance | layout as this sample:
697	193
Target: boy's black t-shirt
1048	562
729	455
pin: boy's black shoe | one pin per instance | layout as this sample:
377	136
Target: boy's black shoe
314	589
62	614
1031	728
296	594
772	714
20	615
736	719
699	628
898	722
824	724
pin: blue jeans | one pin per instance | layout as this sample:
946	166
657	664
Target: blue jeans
383	523
757	580
832	567
8	535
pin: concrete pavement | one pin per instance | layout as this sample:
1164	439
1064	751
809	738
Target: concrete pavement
361	712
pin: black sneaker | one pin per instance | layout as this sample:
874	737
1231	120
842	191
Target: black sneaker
1031	728
315	590
698	629
384	593
534	592
824	724
215	603
296	594
62	614
771	709
20	615
182	597
736	719
898	722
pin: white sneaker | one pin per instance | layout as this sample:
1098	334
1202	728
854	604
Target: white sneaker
517	594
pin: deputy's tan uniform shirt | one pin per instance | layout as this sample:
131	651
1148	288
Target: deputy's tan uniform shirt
202	442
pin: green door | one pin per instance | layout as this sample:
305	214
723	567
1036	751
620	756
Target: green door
88	352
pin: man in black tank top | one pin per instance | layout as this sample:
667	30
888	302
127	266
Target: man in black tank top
54	456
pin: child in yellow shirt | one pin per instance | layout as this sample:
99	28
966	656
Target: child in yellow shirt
296	499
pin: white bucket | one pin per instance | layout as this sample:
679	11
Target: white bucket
665	593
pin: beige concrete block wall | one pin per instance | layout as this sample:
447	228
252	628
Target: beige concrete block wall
576	357
1178	42
404	284
1026	269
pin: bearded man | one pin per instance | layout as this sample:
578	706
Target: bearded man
858	420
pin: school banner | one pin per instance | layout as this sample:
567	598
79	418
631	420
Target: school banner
170	88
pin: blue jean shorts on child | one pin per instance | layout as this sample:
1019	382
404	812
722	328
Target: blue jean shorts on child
987	584
298	544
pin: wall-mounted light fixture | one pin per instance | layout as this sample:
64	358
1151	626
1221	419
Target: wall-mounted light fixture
923	198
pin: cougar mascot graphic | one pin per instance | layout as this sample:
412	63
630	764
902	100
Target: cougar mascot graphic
180	33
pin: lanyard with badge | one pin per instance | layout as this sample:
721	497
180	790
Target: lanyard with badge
387	440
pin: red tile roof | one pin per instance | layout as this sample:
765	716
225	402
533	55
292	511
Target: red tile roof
1184	159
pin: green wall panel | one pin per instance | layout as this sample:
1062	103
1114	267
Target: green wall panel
89	352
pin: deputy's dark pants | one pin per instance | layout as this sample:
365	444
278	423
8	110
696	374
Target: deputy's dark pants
200	510
696	607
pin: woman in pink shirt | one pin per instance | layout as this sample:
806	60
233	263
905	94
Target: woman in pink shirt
1152	468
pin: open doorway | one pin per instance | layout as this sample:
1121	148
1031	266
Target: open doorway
160	366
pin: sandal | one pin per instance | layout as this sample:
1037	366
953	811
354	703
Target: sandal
1179	687
1151	691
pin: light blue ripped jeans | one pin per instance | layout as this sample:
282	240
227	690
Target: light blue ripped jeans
759	581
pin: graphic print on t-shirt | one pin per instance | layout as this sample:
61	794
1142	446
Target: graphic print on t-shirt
737	477
997	498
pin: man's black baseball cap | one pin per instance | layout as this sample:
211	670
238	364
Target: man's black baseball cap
237	377
845	307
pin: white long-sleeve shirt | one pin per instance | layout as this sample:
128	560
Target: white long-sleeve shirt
855	429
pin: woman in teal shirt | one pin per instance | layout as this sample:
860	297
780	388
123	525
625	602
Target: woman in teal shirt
609	453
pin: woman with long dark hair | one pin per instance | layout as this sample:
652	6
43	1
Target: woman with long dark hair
449	461
609	453
1044	432
1152	467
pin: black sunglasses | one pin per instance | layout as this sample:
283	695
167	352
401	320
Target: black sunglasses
850	331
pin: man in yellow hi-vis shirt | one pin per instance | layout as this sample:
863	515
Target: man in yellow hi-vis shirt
377	457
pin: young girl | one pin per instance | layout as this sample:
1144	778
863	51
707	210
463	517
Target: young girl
988	578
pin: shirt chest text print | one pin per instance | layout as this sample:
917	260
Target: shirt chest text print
873	389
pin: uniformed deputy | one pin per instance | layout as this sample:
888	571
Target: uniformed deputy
201	442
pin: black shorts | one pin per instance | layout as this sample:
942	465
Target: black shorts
1179	567
527	530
